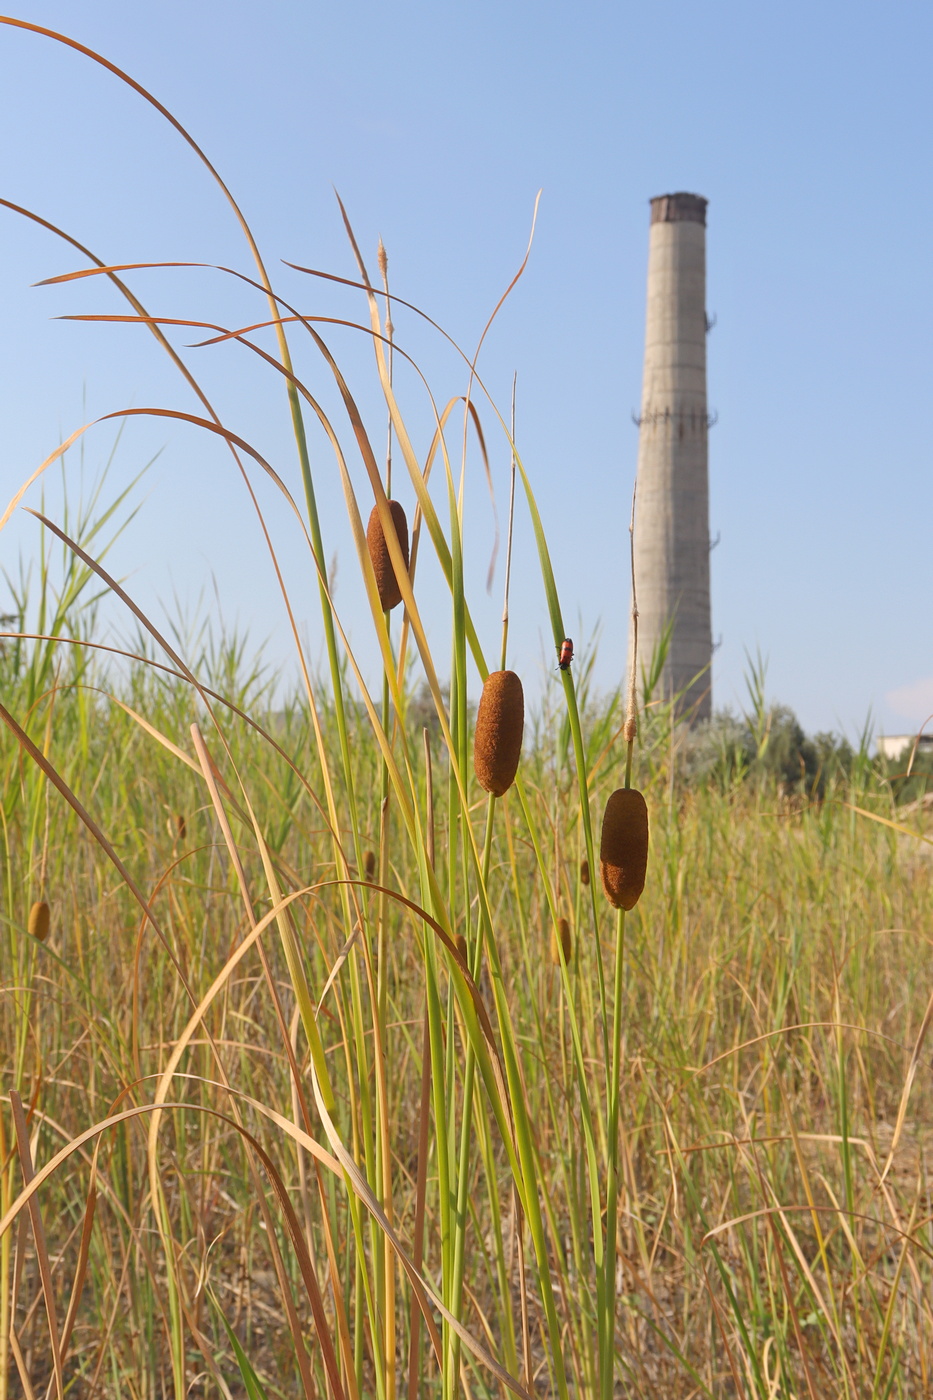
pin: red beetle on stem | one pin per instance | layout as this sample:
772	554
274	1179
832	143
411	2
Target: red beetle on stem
566	654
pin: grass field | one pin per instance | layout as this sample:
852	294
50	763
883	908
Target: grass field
300	1095
774	987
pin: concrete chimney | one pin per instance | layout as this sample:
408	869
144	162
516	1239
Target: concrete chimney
672	514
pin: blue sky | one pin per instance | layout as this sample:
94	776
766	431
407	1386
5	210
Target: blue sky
806	126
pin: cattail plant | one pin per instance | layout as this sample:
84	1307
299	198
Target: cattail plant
390	594
369	864
39	921
561	942
584	871
623	847
500	721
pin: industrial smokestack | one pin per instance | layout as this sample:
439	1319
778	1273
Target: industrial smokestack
672	515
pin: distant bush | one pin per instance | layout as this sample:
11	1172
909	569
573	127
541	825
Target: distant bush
771	748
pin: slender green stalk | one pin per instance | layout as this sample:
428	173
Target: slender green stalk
608	1289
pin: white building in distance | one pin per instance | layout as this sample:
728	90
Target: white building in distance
895	746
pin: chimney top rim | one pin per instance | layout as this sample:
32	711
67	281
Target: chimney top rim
680	207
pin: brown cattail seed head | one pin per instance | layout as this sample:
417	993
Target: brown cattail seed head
390	595
497	744
561	941
584	871
623	849
462	948
39	921
369	864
